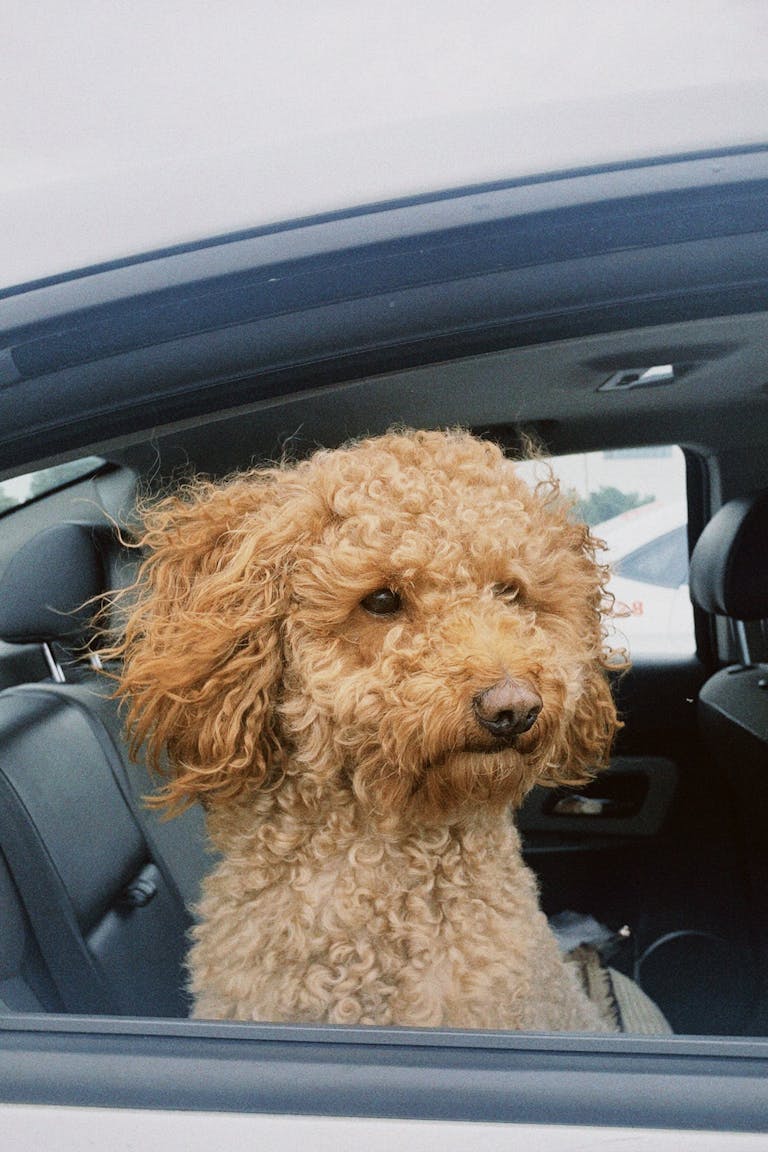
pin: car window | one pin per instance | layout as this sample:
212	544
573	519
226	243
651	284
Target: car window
21	489
663	561
634	501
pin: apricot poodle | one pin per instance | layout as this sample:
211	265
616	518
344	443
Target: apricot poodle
359	663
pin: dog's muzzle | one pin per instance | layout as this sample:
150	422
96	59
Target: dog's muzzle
507	709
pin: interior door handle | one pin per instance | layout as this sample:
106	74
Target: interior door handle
594	807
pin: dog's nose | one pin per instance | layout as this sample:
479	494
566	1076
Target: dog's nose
507	709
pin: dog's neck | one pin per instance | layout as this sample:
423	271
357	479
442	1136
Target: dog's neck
296	819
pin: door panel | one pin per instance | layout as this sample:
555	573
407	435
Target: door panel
666	869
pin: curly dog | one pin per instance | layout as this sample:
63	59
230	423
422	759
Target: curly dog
359	663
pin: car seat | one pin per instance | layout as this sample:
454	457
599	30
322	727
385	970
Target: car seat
729	577
105	883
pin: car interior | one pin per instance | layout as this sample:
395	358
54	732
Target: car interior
544	309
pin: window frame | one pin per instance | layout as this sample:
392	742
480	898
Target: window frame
716	1083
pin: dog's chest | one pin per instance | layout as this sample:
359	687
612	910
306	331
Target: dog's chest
378	931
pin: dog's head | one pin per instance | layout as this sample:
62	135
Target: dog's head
402	618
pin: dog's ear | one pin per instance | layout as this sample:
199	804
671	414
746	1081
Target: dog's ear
587	741
201	644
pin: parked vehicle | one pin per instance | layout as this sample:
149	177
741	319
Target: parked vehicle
647	548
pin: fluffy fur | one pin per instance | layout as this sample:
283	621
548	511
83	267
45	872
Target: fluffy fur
370	872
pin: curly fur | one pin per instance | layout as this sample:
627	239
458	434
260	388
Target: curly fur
370	872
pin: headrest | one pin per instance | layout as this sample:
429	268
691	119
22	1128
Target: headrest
729	565
46	587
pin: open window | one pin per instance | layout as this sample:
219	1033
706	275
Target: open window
634	501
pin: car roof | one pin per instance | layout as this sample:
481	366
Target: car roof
499	307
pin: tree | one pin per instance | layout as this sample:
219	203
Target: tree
605	503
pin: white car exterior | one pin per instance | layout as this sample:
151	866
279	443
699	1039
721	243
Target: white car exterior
647	549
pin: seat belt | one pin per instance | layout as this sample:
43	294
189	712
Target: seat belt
78	978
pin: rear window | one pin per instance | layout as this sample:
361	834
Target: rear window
635	501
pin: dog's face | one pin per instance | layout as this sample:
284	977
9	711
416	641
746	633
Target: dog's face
403	617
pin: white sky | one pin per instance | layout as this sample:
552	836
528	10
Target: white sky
130	124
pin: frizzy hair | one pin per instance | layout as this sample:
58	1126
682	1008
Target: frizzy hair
203	613
204	622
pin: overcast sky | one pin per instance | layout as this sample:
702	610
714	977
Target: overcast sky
126	120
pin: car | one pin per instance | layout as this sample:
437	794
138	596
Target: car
645	542
647	548
586	275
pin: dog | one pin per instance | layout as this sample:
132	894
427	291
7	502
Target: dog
360	664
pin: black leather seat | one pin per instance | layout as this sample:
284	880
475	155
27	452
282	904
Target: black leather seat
105	883
729	577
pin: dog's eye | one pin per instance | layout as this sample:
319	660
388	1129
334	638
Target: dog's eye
508	592
382	602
